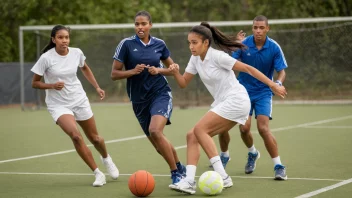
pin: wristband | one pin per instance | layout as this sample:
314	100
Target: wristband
278	82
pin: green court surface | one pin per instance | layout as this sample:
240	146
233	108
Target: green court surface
38	160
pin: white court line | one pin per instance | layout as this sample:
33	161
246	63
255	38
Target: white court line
184	146
307	124
329	127
312	123
158	175
310	194
72	150
180	147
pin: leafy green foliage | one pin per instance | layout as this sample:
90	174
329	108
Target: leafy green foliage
15	13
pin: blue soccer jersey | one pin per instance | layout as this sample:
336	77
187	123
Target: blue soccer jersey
131	51
267	59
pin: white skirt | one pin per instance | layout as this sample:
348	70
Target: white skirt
235	108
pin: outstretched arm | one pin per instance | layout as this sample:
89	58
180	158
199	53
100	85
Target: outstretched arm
87	72
182	80
277	89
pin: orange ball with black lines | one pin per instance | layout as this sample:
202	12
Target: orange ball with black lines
141	183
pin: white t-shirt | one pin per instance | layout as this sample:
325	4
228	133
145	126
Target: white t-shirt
216	73
54	68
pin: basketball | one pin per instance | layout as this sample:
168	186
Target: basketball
141	183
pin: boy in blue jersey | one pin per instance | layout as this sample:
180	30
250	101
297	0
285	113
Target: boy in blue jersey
266	55
147	87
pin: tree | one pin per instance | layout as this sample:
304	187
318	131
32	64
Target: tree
15	13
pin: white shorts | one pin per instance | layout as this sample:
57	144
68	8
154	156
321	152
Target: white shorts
81	111
235	108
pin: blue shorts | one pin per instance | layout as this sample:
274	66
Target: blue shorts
161	104
261	104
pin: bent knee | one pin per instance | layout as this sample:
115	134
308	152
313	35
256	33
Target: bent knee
190	134
263	129
155	132
96	139
244	129
198	130
76	138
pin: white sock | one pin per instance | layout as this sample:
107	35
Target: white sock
225	154
218	167
191	172
252	150
96	171
276	160
106	157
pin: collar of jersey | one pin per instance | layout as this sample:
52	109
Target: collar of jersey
62	56
207	56
251	42
151	40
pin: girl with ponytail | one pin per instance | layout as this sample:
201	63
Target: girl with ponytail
231	101
51	44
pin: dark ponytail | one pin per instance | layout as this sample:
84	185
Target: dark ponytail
224	42
51	44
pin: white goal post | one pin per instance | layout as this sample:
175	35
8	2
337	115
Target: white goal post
157	25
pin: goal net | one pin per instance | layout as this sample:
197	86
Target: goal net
318	52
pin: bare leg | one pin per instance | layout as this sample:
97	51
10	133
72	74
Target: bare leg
174	152
246	134
269	139
211	124
68	125
224	141
193	148
156	128
91	132
171	146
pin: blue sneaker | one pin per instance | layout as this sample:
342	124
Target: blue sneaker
182	170
224	160
176	177
251	163
280	172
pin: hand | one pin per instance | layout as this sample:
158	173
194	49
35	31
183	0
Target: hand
174	68
241	35
139	68
279	90
59	85
101	93
152	70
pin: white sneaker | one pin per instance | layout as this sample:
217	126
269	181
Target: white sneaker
99	179
228	182
110	167
184	186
